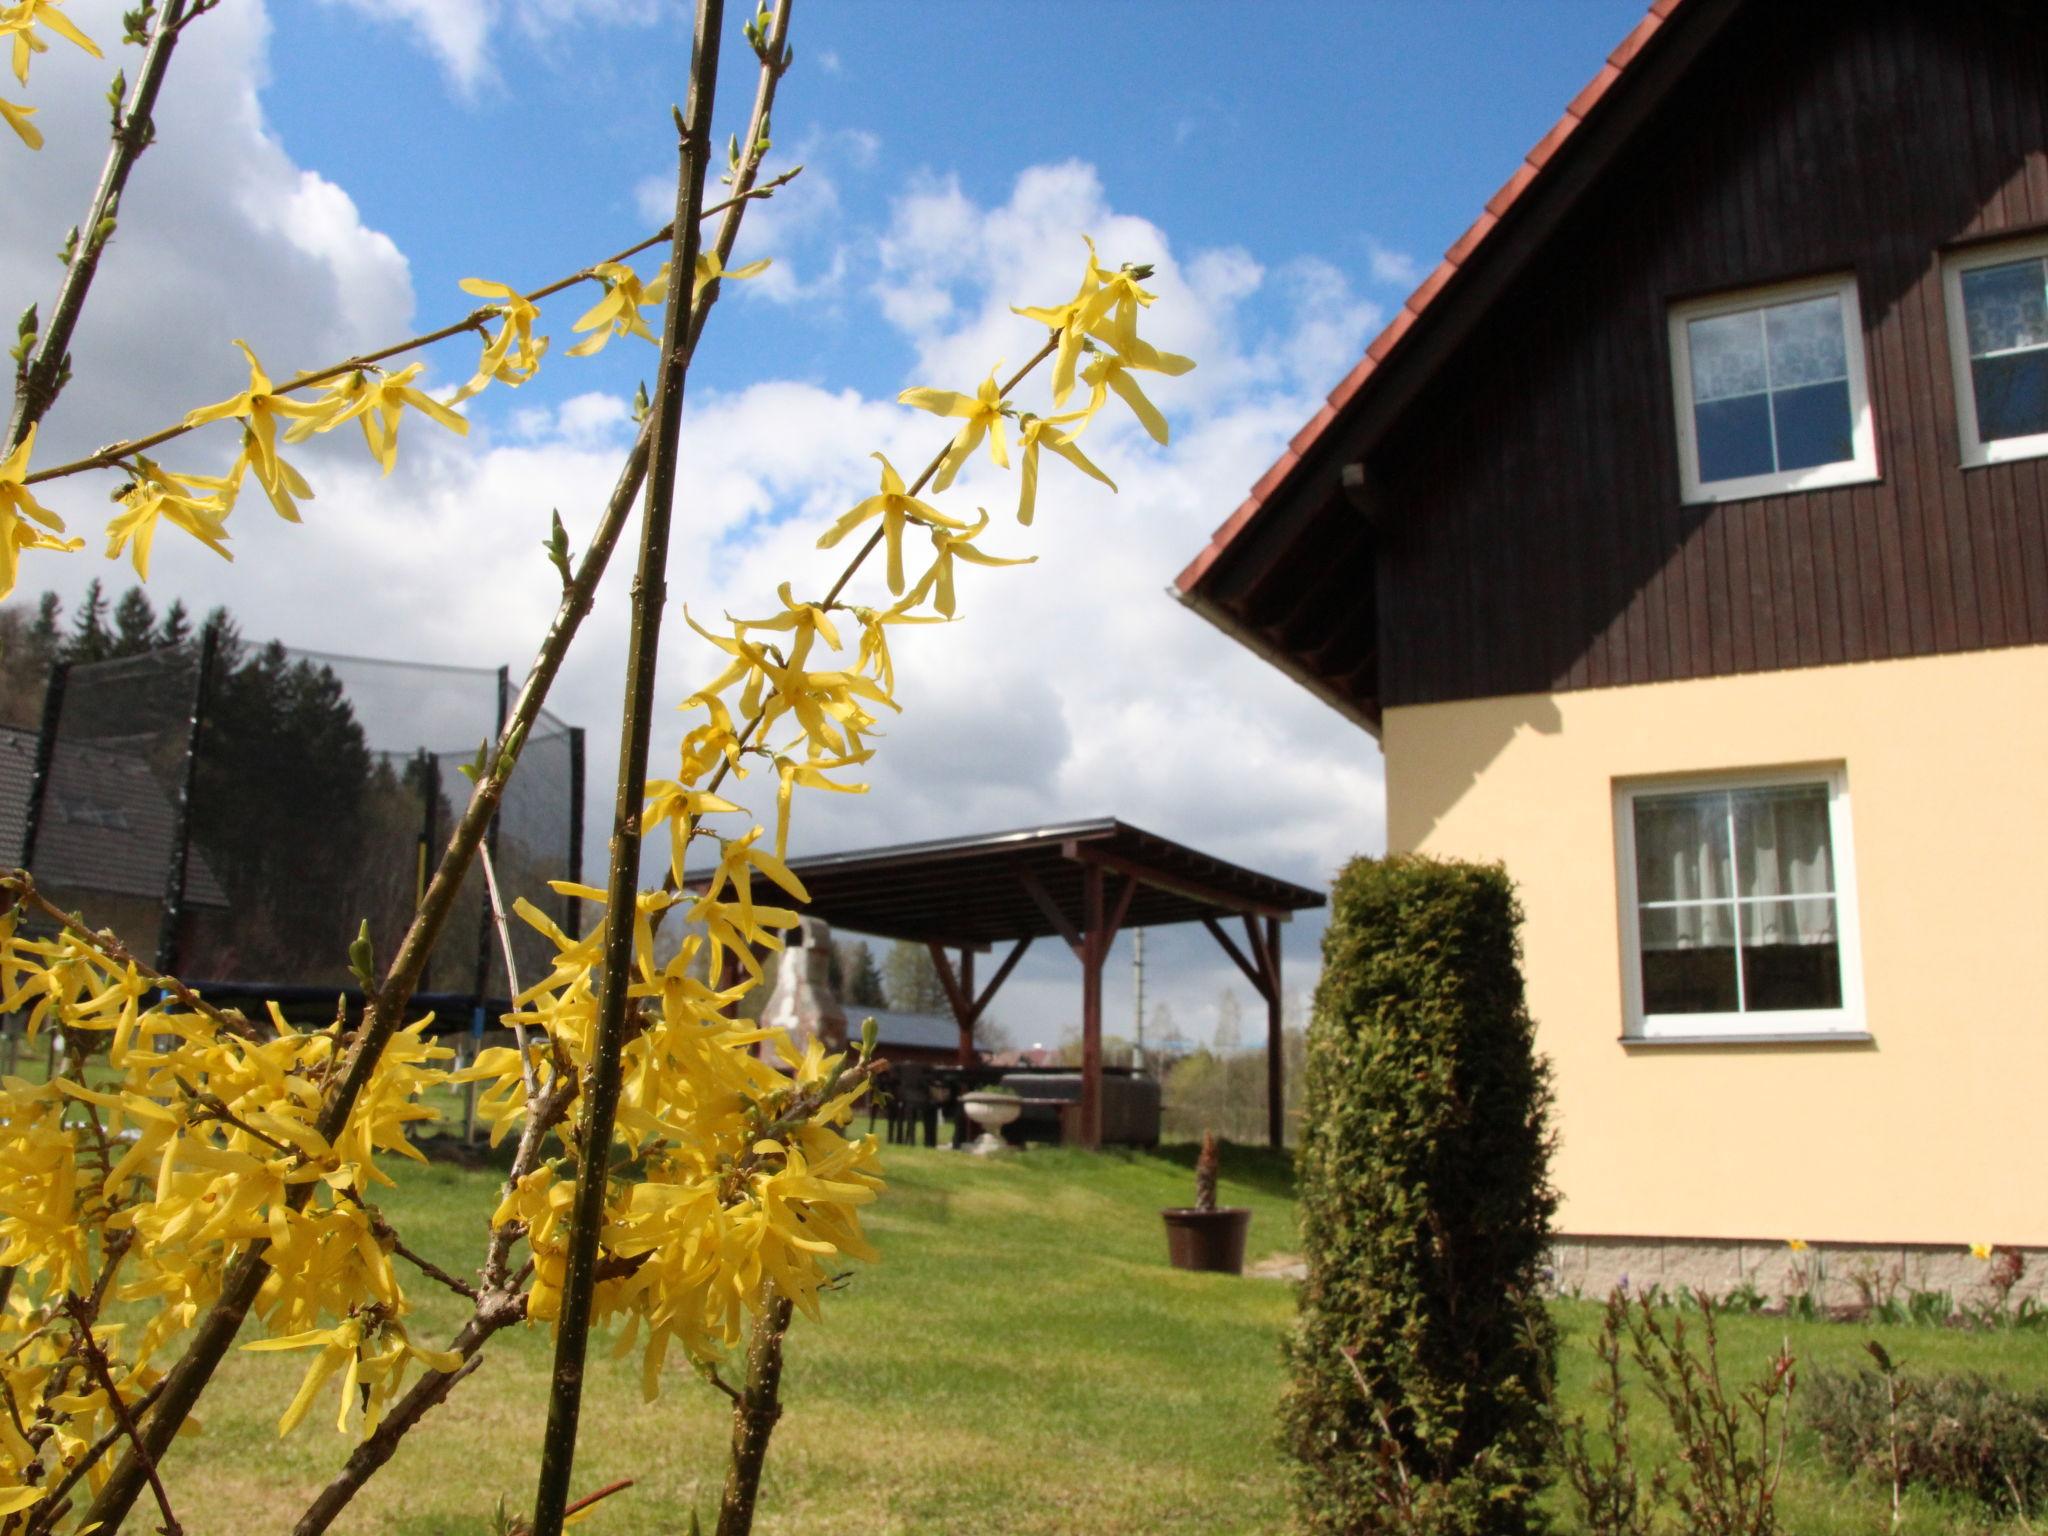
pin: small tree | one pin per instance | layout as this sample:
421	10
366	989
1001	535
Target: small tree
860	983
912	981
1229	1022
1421	1356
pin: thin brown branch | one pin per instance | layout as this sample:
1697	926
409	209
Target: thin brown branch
111	456
94	1455
103	1376
712	1378
384	1232
526	1072
211	1106
643	648
43	373
380	1445
598	1497
22	887
754	1415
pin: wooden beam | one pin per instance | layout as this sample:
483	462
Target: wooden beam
1116	918
1164	880
956	995
1002	974
1254	974
1260	953
1042	898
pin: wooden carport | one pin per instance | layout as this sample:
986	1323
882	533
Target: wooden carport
1082	882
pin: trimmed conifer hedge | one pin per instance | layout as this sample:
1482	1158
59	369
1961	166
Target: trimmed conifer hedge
1422	1355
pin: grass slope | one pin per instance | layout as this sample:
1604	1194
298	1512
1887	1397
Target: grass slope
1023	1359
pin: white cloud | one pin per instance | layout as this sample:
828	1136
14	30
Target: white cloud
1330	325
221	235
458	33
1396	268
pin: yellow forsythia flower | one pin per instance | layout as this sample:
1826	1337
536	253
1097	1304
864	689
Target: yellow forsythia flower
20	512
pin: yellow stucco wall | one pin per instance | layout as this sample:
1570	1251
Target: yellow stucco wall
1937	1132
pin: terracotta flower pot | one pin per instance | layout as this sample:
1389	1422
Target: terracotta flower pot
1212	1240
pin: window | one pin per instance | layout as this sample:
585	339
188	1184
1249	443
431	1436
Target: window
1738	908
1998	344
1771	392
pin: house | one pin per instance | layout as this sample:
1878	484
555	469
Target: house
107	833
1684	543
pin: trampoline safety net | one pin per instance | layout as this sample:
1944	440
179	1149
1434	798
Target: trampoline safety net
236	811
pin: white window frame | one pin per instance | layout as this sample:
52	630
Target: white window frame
1856	470
1775	1024
1976	453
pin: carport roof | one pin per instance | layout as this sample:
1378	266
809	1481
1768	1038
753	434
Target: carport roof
1030	883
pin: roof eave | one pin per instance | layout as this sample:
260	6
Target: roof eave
1194	599
1444	308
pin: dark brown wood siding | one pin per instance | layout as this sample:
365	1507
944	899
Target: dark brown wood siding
1532	535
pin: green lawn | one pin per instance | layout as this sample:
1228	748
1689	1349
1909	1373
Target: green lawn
1022	1360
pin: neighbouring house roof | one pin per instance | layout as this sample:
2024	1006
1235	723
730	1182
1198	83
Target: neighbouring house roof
924	1031
1318	464
107	824
17	777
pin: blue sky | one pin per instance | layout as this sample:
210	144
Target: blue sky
1364	134
327	170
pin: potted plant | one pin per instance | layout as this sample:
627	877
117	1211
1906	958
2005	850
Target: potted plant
1202	1236
991	1109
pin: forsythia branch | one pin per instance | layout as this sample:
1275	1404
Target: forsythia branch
114	455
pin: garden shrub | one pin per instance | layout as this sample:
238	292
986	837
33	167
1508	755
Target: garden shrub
1422	1355
1958	1432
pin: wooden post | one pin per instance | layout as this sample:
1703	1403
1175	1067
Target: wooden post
967	1051
1275	1122
1092	957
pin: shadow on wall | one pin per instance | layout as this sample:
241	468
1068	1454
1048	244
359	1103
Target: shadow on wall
1463	743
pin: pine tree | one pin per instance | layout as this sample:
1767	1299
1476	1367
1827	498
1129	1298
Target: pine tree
177	625
134	624
49	612
1229	1023
90	639
859	982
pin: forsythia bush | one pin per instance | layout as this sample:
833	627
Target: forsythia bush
1422	1353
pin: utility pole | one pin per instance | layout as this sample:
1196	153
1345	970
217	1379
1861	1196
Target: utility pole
1138	986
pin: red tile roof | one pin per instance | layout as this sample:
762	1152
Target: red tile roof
1525	175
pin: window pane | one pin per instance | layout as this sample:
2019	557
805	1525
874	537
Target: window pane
1727	355
1806	342
2012	395
2004	307
1813	425
1791	956
1782	842
1734	437
1682	848
1688	960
